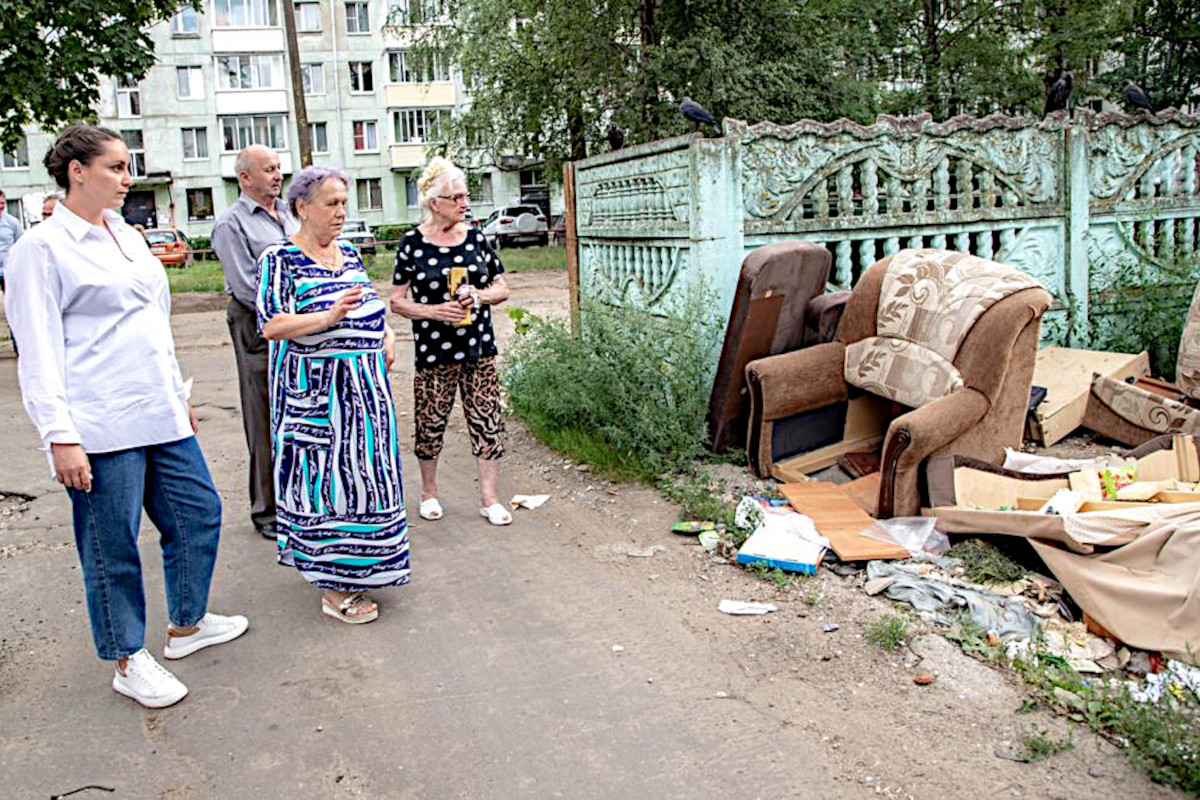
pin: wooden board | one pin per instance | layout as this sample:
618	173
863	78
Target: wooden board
1067	376
839	520
867	418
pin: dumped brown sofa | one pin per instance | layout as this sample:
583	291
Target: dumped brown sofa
778	307
1133	414
948	340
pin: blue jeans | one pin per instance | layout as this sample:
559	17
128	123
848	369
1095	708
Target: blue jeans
172	482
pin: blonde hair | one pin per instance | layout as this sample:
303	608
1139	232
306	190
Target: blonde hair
437	175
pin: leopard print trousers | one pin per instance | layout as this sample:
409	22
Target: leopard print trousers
433	394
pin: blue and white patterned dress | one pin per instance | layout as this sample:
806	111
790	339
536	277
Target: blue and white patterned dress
339	500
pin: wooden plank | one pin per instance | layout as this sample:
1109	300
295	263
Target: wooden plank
1067	376
572	242
839	520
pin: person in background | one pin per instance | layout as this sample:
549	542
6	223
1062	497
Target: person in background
91	307
338	490
255	221
48	204
453	339
10	231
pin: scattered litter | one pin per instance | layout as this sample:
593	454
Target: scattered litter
1175	680
749	513
647	552
830	627
530	501
618	648
693	526
1049	465
784	540
721	694
915	534
924	679
745	608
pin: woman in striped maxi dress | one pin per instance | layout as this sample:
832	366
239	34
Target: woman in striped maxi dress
340	505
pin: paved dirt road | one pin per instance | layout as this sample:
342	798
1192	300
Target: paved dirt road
494	674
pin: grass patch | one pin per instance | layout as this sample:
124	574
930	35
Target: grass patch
1040	745
889	633
1161	739
983	563
781	578
207	276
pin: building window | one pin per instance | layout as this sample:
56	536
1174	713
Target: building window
370	194
419	125
485	188
246	13
362	79
16	159
312	78
412	193
366	140
405	67
318	135
129	99
190	83
308	17
241	132
250	72
195	143
358	18
186	22
137	153
200	205
414	12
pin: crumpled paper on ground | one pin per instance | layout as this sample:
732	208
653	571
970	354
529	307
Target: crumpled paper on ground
942	602
530	501
744	608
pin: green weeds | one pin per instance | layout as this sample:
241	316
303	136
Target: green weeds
983	563
889	633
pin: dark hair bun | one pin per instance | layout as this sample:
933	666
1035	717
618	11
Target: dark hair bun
80	143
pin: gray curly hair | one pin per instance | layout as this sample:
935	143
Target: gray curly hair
309	180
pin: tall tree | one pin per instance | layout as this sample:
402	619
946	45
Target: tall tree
1161	49
53	54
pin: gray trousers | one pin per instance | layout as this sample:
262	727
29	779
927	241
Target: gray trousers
250	350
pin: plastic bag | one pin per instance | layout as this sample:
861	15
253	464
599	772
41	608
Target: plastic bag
915	534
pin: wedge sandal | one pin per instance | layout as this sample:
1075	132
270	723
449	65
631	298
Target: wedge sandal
342	610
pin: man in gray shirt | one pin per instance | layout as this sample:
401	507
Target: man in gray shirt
10	231
255	221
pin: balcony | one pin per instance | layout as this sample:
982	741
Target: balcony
251	101
228	160
416	95
407	156
248	40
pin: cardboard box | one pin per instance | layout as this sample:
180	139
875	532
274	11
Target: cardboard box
1066	375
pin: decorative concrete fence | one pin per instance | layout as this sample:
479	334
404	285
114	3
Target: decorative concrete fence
1102	209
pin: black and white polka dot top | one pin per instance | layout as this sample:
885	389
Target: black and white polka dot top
425	268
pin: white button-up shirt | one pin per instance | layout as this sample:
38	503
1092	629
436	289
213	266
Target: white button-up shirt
90	313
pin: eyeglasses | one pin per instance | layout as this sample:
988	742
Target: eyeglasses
461	197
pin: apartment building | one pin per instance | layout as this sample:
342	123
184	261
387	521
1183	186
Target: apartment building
222	82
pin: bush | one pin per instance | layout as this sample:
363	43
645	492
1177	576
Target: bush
627	395
388	234
202	243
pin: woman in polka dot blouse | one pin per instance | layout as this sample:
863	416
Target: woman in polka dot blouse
453	339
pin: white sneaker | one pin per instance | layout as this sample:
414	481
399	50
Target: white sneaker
148	682
213	629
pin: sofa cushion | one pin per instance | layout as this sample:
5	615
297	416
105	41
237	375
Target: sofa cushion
933	297
1144	409
903	371
1187	373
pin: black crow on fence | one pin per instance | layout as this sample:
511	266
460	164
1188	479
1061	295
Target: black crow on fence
1058	90
697	113
1136	99
616	137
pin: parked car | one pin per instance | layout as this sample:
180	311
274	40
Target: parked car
356	232
171	247
513	225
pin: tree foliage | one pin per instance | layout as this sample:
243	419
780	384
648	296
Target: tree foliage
53	54
549	76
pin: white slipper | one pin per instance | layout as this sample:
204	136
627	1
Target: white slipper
431	509
496	514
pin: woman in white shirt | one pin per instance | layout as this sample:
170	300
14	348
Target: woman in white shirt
91	308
